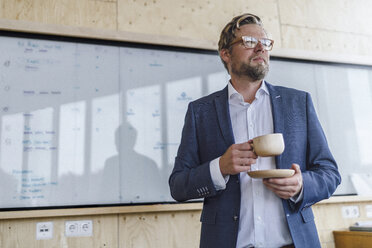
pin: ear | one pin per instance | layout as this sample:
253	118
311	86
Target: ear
225	55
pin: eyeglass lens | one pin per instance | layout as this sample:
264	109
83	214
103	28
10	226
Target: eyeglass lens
251	42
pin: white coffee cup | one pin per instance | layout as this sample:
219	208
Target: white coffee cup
268	145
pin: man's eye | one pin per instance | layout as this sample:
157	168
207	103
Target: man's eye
250	43
266	42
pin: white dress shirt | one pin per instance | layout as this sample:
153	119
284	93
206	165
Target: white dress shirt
262	218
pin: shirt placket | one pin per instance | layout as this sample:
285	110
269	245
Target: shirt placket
258	208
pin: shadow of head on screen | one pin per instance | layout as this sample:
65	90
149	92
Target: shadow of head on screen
130	173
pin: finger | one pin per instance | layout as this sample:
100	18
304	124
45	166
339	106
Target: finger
281	194
281	182
297	175
244	146
296	168
246	161
282	187
237	160
242	168
286	192
246	157
245	154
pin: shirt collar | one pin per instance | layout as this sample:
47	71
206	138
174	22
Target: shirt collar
233	94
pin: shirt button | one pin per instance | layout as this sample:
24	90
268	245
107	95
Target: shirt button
235	218
259	218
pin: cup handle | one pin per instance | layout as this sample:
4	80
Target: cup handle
252	147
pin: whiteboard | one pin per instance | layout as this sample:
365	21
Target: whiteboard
89	123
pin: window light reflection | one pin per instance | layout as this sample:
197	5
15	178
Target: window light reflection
361	101
71	138
178	95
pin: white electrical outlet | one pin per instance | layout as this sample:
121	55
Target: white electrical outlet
369	211
71	228
79	228
350	212
86	228
44	230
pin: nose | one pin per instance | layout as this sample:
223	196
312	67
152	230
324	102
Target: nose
259	47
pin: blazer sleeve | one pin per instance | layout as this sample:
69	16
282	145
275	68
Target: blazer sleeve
190	178
321	177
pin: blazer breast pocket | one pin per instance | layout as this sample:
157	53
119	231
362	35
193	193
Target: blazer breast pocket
307	214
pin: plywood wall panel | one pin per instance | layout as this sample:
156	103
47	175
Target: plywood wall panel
329	217
168	229
325	41
22	233
334	26
176	230
84	13
193	19
332	15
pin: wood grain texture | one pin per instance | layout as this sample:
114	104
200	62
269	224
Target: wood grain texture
333	15
181	230
85	13
314	25
100	210
346	239
169	225
198	19
328	216
22	233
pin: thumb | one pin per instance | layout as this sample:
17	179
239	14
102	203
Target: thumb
296	168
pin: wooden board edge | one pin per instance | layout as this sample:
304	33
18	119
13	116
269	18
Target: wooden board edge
100	210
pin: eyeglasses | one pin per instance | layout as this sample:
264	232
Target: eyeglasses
251	42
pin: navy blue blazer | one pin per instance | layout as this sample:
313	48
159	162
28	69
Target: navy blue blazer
206	135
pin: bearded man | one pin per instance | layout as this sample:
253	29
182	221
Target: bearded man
216	152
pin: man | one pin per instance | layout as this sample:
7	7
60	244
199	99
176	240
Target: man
215	153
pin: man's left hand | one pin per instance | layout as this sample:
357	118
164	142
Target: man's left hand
286	187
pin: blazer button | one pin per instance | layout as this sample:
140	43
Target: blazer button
235	218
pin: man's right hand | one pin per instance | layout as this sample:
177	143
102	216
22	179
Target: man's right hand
237	158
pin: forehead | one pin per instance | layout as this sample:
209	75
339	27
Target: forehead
253	30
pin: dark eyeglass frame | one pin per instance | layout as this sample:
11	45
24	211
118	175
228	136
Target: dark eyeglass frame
263	42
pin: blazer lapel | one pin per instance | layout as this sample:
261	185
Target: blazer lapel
223	115
278	117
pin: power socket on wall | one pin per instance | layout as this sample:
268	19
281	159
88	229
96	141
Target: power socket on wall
369	211
79	228
44	230
350	212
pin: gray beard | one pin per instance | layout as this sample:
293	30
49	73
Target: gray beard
255	73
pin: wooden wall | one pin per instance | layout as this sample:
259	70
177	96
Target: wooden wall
172	225
330	28
165	226
330	216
